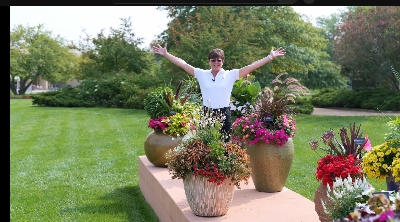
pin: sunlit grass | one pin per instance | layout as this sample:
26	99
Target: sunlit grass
76	164
301	177
81	164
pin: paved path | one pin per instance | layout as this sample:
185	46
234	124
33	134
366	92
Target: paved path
352	112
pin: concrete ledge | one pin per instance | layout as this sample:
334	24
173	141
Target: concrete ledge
167	198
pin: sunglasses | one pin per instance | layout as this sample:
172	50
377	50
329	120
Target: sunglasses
216	60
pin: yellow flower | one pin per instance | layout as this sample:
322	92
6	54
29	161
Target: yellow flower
396	169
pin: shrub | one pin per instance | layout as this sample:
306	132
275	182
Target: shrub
303	105
65	97
377	99
119	90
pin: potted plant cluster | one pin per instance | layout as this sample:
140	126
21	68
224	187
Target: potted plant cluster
210	168
170	118
344	195
356	200
380	206
383	160
342	159
267	131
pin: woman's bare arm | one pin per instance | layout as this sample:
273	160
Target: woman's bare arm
177	61
257	64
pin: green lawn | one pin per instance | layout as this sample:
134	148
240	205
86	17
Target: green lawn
81	164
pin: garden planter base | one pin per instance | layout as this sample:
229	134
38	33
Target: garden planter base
321	194
167	198
208	199
270	165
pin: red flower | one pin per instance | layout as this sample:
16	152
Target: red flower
330	167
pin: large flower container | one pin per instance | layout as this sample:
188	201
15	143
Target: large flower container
207	199
157	145
270	165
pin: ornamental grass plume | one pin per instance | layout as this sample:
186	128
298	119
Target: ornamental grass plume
276	101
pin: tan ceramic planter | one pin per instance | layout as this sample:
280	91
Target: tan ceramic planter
270	165
157	145
208	199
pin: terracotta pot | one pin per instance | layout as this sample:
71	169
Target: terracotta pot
270	165
157	145
208	199
321	194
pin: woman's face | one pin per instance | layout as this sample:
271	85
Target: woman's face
216	64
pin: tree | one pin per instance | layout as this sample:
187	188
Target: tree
307	58
328	26
35	52
327	73
194	31
246	34
367	45
116	52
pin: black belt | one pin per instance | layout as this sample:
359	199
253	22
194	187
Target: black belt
223	109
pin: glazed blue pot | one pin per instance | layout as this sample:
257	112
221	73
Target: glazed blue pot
391	185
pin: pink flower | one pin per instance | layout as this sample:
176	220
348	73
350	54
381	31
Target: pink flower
385	216
367	145
285	121
250	129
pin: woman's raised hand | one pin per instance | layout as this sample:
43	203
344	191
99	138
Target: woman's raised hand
276	53
160	50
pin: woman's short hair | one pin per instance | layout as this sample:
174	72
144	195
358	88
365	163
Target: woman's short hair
216	53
